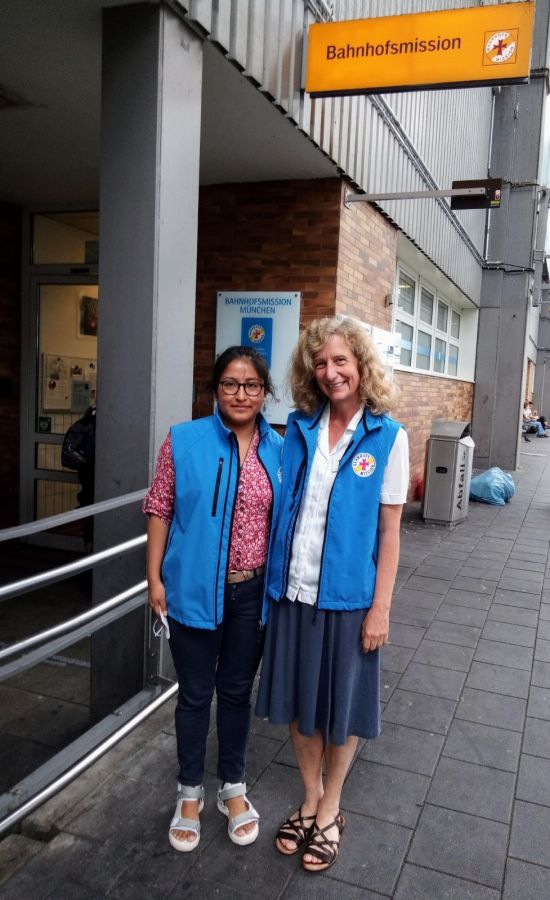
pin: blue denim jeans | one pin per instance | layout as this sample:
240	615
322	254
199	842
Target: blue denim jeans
225	660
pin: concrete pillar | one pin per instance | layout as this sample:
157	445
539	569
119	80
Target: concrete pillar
151	109
506	289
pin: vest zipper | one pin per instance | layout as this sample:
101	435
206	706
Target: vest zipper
298	477
234	503
269	529
217	486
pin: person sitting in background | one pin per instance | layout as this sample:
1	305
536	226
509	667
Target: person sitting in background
533	422
541	419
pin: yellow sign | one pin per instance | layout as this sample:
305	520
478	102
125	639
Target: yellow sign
452	48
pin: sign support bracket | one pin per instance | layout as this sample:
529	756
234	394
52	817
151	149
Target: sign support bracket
350	197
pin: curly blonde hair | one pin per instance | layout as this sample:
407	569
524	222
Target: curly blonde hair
376	390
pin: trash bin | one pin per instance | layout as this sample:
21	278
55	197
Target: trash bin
448	472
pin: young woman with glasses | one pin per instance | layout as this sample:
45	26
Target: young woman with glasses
210	507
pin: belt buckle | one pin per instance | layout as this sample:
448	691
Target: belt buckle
239	577
236	577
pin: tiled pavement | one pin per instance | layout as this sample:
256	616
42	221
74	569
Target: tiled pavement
451	803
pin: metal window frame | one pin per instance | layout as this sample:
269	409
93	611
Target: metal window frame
32	277
417	324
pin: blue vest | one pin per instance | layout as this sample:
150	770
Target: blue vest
348	563
206	463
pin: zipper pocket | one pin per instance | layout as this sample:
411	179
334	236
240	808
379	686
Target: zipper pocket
298	479
217	487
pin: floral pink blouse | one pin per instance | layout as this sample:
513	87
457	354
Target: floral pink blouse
251	520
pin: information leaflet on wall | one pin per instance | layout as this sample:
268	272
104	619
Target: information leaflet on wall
56	383
68	383
268	321
389	345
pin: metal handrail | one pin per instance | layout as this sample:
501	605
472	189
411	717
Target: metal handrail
55	786
66	571
55	646
40	646
19	531
75	622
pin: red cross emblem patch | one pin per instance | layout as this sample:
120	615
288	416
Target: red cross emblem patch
363	464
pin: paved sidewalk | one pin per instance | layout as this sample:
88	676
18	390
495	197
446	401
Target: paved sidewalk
451	803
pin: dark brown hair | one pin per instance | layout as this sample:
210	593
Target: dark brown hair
240	352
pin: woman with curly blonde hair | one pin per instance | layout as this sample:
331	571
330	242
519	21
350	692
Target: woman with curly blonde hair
332	568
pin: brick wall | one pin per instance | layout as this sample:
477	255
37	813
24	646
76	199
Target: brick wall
421	399
269	236
10	329
366	264
299	235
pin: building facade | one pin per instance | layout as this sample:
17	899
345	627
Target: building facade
157	153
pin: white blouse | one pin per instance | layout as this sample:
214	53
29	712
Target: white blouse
307	544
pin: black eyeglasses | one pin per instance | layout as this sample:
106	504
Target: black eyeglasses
251	388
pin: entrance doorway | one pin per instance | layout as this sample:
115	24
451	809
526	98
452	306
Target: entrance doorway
59	377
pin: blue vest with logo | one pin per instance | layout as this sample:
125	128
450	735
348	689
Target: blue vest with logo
348	564
206	463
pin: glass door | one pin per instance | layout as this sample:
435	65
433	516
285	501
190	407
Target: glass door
62	383
59	360
66	385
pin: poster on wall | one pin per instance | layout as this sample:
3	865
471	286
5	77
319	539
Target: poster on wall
68	383
83	384
268	321
87	315
56	383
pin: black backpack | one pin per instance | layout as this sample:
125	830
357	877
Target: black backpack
78	447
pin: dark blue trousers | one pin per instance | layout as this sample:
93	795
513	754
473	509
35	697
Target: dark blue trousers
225	660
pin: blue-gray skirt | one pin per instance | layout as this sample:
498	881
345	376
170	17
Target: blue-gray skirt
314	671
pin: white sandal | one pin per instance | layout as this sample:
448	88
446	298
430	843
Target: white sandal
228	792
185	792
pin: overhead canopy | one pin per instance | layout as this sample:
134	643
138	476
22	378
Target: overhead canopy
50	103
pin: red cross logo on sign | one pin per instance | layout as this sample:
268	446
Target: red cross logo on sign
500	47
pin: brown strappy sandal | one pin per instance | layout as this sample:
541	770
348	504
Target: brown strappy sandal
294	830
322	848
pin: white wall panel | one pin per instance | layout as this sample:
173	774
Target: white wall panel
254	63
221	24
272	56
201	11
239	30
